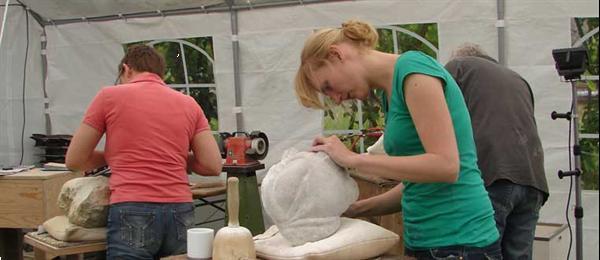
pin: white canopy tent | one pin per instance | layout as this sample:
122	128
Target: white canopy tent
72	48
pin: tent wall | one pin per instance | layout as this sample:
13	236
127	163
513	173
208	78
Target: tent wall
12	61
82	57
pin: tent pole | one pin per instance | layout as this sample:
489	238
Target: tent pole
44	44
500	25
236	68
4	22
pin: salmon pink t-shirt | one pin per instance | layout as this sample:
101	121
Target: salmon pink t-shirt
149	128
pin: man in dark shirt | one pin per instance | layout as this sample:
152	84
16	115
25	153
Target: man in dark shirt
509	150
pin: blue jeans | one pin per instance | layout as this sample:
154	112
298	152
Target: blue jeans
517	210
138	230
491	252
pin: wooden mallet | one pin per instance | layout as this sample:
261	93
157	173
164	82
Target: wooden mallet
233	241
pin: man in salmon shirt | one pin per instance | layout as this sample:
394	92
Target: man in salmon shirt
150	131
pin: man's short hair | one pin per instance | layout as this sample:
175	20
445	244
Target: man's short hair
468	50
143	58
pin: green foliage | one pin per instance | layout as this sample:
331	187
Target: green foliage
589	119
207	98
428	31
345	116
589	147
372	111
589	163
200	69
386	41
342	116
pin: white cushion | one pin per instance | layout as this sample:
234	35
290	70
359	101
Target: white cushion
60	228
355	239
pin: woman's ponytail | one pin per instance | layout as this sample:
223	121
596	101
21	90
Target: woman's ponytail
363	34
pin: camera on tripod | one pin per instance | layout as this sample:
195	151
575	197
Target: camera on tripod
570	62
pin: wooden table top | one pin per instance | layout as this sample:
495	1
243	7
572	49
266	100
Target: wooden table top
204	189
372	178
35	173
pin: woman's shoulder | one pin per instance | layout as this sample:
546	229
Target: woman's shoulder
416	57
417	62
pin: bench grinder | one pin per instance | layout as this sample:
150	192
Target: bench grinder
241	152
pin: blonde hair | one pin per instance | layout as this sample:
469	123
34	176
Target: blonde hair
468	50
316	50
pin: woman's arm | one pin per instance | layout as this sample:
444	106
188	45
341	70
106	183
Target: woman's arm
382	204
206	157
80	154
428	108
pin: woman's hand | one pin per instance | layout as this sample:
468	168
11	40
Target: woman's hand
389	202
336	150
352	211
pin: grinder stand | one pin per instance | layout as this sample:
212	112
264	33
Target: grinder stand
250	212
241	152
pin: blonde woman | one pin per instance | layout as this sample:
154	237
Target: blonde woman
428	140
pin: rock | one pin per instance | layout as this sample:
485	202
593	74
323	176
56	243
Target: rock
85	201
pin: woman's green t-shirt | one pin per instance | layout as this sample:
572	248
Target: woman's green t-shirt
438	214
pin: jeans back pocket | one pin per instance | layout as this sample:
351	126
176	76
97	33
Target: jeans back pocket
136	229
184	220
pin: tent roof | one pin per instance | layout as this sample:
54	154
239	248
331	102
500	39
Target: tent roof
69	11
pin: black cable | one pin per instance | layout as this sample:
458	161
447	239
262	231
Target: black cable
24	80
567	215
571	180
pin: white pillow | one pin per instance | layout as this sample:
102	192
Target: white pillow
355	239
60	228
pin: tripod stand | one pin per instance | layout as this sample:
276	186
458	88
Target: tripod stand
571	63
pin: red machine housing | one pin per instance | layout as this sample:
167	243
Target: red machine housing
243	149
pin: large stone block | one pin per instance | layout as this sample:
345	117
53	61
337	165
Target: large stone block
85	201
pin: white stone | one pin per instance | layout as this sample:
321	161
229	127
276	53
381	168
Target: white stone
305	194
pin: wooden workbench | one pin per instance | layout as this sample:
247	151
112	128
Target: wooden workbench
46	247
27	199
